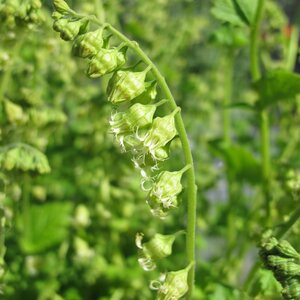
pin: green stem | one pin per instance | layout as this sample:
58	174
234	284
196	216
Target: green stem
100	13
265	157
191	181
254	40
292	49
264	120
227	97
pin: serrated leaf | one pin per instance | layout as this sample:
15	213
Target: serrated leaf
248	9
44	226
265	284
279	85
229	11
240	163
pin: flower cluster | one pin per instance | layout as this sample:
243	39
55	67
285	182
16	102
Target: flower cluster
18	12
284	261
136	130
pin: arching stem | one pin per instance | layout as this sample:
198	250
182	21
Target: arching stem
191	184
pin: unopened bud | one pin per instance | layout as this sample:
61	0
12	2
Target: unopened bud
106	61
88	44
286	249
291	290
69	29
124	86
160	246
175	285
163	130
136	117
61	6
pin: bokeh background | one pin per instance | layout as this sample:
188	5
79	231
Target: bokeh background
69	233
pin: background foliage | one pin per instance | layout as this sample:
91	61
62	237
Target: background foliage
71	202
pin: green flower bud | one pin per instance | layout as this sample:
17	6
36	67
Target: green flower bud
286	249
106	61
149	94
56	15
69	29
62	7
25	158
286	269
160	246
291	290
124	86
88	44
15	113
36	4
164	192
277	261
175	285
163	130
138	116
10	159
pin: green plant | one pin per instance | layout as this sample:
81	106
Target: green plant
135	129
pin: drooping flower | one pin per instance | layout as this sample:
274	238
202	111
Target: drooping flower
163	195
160	246
124	86
174	286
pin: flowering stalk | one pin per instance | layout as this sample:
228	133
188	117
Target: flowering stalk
137	131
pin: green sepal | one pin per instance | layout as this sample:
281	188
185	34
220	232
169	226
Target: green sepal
124	86
88	44
105	62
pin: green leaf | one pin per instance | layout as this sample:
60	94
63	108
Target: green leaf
240	163
248	8
44	226
229	11
266	285
278	85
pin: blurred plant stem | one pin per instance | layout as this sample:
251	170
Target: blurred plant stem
263	114
291	59
264	118
4	84
292	50
227	97
99	10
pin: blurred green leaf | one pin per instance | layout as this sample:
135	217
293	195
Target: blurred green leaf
229	11
44	226
248	8
240	163
278	85
266	285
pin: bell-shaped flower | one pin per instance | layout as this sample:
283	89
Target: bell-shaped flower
69	29
106	61
175	285
88	44
62	7
163	195
124	86
163	130
160	246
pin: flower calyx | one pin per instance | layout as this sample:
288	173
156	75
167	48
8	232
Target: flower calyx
69	28
106	61
174	286
160	246
163	195
124	86
88	44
